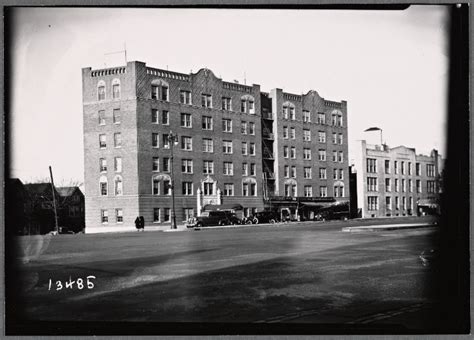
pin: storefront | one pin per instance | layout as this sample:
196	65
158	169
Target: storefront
298	208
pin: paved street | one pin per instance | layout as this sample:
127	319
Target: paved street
303	273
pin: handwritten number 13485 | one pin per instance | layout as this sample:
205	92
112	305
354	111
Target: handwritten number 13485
79	283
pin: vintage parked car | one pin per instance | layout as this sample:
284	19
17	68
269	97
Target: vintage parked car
263	217
212	218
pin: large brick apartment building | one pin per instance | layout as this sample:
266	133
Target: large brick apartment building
235	145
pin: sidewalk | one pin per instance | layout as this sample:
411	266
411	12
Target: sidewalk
389	227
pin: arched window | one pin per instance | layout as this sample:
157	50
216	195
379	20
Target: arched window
289	110
156	184
101	90
338	189
247	104
118	185
291	187
160	90
249	186
209	186
103	185
116	88
336	116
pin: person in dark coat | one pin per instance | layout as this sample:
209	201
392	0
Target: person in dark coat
137	223
142	223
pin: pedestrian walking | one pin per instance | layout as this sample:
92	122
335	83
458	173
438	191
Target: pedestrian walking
137	223
142	223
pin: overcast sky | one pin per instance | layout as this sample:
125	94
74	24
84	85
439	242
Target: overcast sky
390	66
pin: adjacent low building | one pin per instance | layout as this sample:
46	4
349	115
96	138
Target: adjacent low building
396	181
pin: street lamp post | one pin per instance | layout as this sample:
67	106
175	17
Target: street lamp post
172	139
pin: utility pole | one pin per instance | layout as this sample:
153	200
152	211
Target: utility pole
56	228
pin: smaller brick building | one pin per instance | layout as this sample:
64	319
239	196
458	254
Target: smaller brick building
397	181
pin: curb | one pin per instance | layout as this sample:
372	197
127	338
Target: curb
389	227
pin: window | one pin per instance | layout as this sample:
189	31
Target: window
417	169
118	164
207	145
395	167
306	117
410	185
245	169
409	169
103	185
372	184
165	117
101	117
208	188
155	164
341	174
322	136
372	203
116	116
293	190
253	169
206	100
322	155
118	215
388	185
247	104
285	112
323	191
306	135
187	188
185	97
103	165
341	156
321	118
243	127
228	189
307	173
285	132
334	119
430	170
206	123
186	120
292	133
166	141
410	203
186	143
244	148
245	189
308	191
167	215
403	185
117	140
252	149
188	213
387	166
371	165
154	140
227	125
101	91
292	113
334	138
102	141
388	203
159	90
154	116
253	189
167	187
104	216
252	128
187	166
322	173
337	118
306	153
118	185
155	186
338	191
226	103
334	174
166	164
208	167
227	146
396	185
293	171
228	168
287	171
402	168
397	203
431	187
404	203
293	152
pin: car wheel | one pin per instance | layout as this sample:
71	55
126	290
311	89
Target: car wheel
199	225
272	221
255	220
248	222
221	223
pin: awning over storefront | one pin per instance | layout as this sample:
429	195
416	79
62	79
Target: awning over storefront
428	202
228	206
